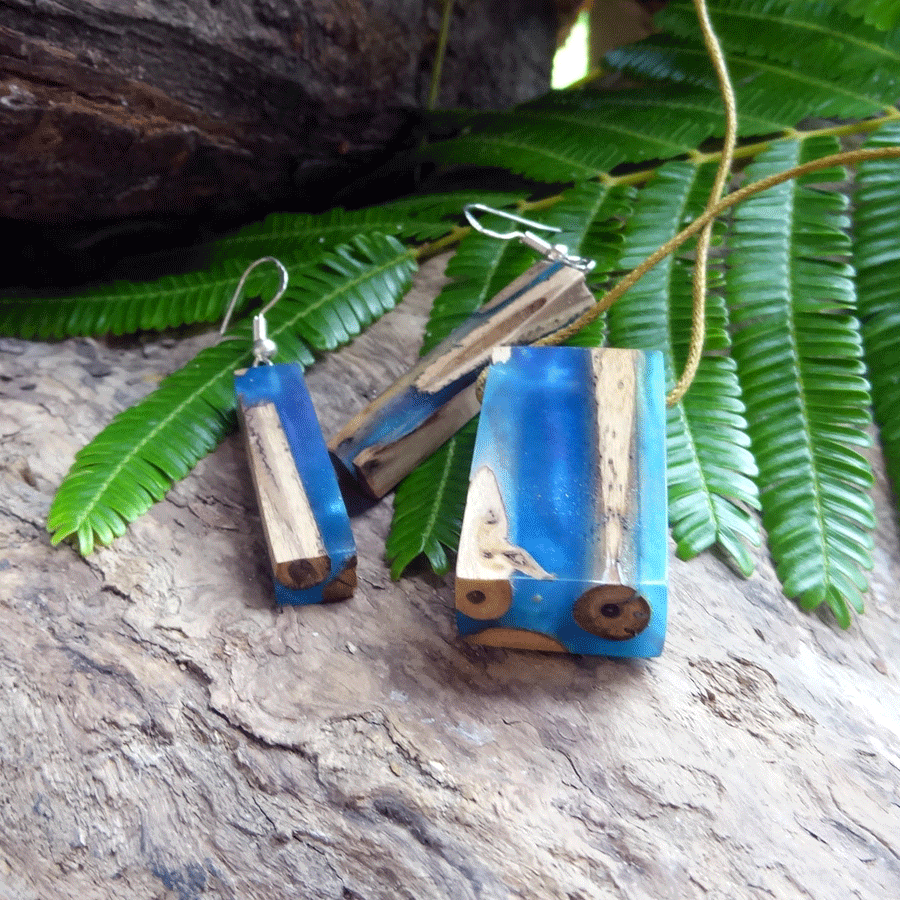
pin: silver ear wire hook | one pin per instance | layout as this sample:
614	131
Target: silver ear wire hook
553	252
263	348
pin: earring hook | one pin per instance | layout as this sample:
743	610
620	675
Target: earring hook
504	235
554	252
263	347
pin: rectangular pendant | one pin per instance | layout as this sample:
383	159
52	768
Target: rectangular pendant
564	540
428	405
306	526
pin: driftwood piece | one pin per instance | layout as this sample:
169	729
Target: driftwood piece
115	108
425	407
164	733
565	529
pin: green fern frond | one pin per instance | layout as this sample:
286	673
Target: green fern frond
876	256
817	37
137	457
292	235
787	60
799	356
134	461
299	240
125	307
710	468
429	505
558	139
700	104
766	89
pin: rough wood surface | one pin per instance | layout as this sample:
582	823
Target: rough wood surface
165	734
113	108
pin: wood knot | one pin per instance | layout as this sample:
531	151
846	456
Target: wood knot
614	612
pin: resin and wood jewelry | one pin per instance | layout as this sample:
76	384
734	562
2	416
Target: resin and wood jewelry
564	538
427	406
306	526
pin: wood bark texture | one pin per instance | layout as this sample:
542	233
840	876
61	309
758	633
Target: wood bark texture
165	733
116	108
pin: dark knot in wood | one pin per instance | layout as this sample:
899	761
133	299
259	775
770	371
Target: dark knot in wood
612	611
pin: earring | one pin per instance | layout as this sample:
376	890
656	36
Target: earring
427	406
306	526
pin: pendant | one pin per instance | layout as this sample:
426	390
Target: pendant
564	540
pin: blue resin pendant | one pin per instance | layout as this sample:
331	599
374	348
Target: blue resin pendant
564	540
305	521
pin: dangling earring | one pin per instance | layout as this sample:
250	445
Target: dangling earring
306	526
422	410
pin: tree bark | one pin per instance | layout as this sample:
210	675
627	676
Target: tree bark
164	733
117	108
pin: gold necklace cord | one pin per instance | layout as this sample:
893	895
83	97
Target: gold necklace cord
698	290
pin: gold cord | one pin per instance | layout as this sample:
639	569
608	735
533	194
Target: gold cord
698	293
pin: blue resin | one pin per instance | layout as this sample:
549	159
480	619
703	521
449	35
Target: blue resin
284	387
537	433
411	409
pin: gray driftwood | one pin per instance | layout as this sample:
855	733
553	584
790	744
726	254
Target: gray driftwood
165	734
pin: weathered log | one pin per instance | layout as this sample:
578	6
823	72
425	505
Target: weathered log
115	108
165	733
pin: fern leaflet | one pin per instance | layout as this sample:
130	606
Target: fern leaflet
876	255
799	361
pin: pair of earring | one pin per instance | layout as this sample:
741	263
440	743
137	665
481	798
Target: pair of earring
564	541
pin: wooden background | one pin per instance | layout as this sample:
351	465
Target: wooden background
165	734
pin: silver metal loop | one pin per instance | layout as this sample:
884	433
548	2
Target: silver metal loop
263	347
553	252
502	235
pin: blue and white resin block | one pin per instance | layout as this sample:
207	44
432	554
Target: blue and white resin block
564	538
307	529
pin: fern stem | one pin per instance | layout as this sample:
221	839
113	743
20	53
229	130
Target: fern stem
434	248
748	151
443	35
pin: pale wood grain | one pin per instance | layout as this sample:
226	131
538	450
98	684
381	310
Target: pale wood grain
294	540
